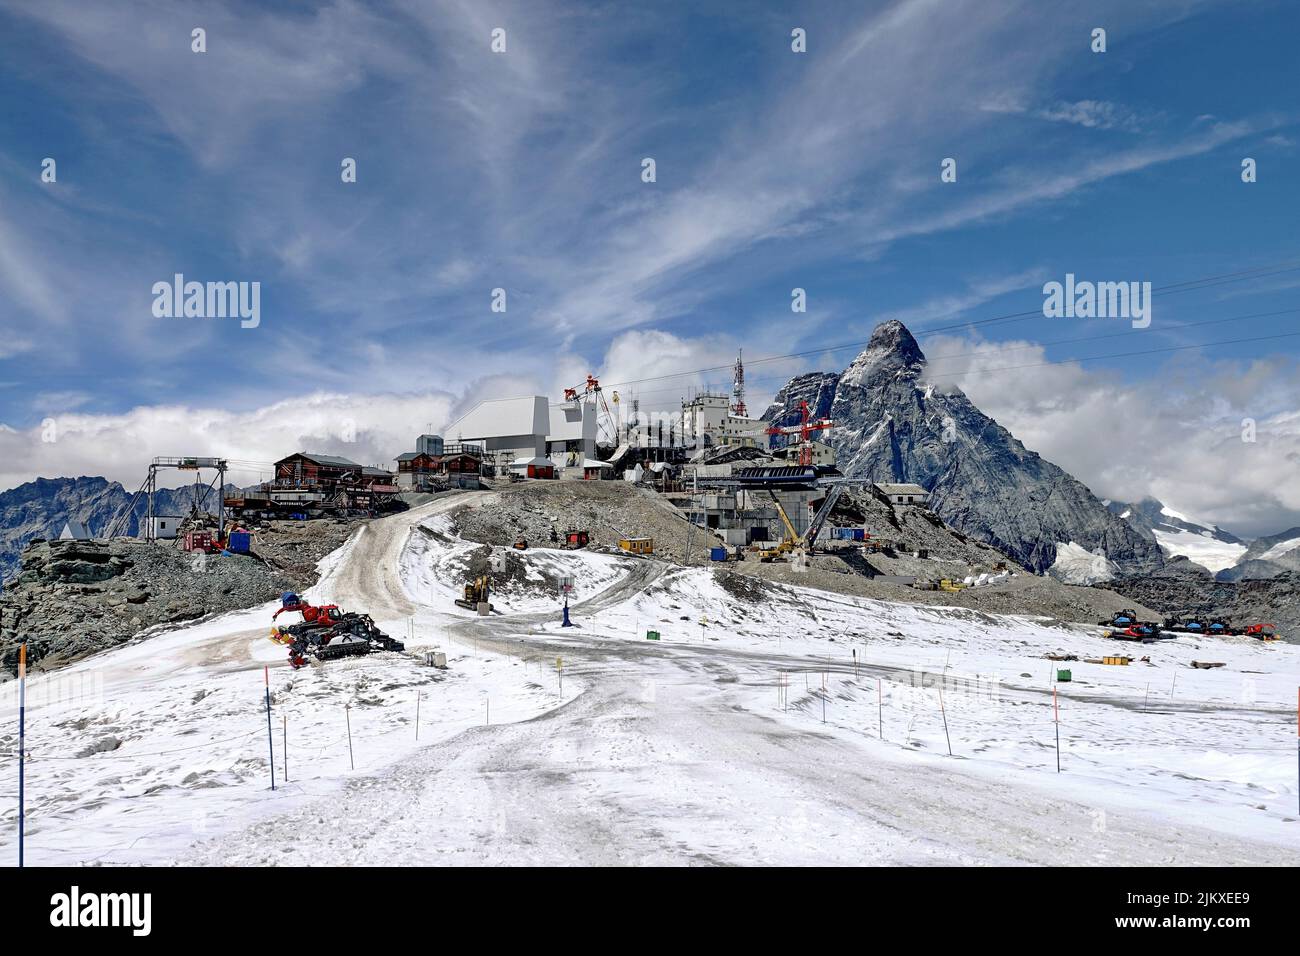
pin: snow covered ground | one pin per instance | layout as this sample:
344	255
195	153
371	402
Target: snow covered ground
1216	746
1075	564
137	753
1201	548
768	724
434	571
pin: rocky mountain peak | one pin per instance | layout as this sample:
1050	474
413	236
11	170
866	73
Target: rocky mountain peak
892	352
982	481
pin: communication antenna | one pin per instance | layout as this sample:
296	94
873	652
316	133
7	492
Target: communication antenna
738	387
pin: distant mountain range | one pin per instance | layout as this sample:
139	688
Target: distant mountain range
40	508
1207	545
1226	556
891	424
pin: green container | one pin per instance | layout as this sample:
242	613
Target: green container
652	635
1063	676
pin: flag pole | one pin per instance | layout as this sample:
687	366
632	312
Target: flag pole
22	737
270	740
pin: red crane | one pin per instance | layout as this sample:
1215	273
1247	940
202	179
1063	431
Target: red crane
804	430
592	387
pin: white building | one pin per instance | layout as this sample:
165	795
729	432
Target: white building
707	420
571	434
511	431
901	494
163	526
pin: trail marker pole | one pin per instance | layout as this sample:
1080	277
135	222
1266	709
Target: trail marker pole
945	719
347	715
417	715
487	705
559	671
285	719
1145	696
22	741
1056	719
880	711
1172	685
270	740
855	663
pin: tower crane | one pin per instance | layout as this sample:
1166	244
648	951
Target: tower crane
805	429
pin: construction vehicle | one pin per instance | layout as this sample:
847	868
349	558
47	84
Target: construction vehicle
521	544
476	592
1125	618
1136	632
1185	625
948	585
326	632
793	541
574	539
1263	632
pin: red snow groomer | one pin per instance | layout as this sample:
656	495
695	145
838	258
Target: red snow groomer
326	632
1263	632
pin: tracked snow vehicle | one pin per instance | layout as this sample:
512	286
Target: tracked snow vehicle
327	633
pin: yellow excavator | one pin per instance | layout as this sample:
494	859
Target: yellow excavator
476	593
793	541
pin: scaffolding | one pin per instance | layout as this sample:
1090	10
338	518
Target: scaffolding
149	487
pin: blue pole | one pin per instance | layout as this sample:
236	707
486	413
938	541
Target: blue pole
270	740
22	739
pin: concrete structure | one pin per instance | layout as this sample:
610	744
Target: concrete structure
822	453
901	494
74	530
707	420
571	435
511	431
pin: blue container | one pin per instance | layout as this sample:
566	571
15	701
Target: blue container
718	554
240	542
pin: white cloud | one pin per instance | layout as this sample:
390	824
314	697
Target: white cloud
120	447
1093	114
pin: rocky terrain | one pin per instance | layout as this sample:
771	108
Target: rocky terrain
1267	557
39	509
607	510
613	509
1024	593
73	598
891	425
1182	587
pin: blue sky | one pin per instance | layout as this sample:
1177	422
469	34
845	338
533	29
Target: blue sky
521	170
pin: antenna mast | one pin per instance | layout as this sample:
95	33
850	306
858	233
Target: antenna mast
738	387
